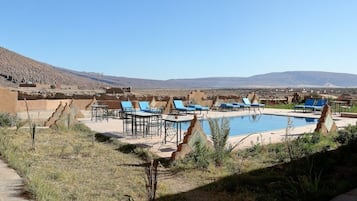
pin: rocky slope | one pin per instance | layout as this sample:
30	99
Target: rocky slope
16	69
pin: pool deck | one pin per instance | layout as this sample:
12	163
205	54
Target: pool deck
114	128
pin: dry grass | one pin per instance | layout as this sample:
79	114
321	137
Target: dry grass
66	166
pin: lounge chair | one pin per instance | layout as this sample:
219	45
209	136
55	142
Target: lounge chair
309	103
145	107
226	106
126	106
229	106
238	105
181	108
247	102
320	103
199	107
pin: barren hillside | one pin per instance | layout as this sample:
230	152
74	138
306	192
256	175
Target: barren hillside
16	69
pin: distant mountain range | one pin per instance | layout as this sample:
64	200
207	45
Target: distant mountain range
16	69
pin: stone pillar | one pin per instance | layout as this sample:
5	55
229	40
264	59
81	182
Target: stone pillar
326	123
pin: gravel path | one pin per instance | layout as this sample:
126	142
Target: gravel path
11	184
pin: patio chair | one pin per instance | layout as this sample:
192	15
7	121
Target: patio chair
145	107
126	110
181	108
309	103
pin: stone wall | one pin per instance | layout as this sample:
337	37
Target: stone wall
50	105
82	104
41	104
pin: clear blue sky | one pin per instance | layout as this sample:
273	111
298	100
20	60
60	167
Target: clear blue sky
166	39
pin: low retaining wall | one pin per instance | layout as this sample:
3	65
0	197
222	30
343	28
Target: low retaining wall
349	114
50	105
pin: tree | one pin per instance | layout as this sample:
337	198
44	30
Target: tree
219	135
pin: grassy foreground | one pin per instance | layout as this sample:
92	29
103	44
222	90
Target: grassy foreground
66	166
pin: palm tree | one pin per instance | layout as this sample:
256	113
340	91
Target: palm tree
219	136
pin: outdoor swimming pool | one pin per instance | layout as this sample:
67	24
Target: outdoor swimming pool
248	124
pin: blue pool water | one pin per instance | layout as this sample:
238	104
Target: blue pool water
248	124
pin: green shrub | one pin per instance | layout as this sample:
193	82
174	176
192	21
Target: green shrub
346	135
199	158
7	120
200	155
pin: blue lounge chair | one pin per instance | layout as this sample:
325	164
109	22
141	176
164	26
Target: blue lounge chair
126	106
226	106
145	107
247	102
229	106
309	103
238	105
199	108
181	108
320	103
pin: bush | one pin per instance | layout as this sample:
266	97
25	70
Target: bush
199	158
346	135
7	120
200	155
